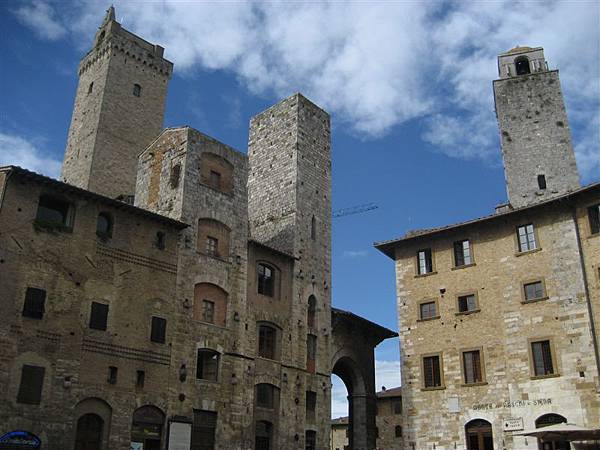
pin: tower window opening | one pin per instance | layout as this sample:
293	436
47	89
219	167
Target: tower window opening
91	87
541	181
522	65
160	240
137	90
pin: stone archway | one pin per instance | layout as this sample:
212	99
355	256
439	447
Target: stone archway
353	360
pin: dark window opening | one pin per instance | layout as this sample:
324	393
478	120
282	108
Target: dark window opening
425	261
137	90
522	66
159	330
263	435
594	217
311	320
265	395
160	240
472	367
54	212
311	352
398	406
207	365
542	358
534	291
89	432
313	228
462	253
104	225
310	440
431	371
32	383
98	316
203	430
467	303
34	306
311	406
140	379
112	375
101	37
428	310
541	179
175	174
266	280
398	431
91	87
479	435
266	341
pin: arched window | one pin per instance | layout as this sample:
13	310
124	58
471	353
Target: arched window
522	65
137	90
147	426
266	280
547	420
89	432
263	435
479	435
313	228
210	304
207	365
267	341
104	225
311	315
213	238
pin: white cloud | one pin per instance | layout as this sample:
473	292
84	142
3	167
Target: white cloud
17	151
40	17
374	65
387	373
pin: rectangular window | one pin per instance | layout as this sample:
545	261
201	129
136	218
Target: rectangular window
215	179
311	406
54	212
265	394
32	383
208	311
207	366
472	367
533	290
425	261
311	352
432	375
98	316
159	330
203	430
594	217
428	310
542	358
462	253
266	341
140	379
112	375
34	305
526	236
266	280
397	406
310	440
212	246
467	303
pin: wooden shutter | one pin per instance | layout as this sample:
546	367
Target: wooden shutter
98	316
35	300
159	330
32	382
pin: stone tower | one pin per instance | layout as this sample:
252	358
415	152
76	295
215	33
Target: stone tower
119	108
539	162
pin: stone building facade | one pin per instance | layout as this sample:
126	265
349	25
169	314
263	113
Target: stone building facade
171	292
389	419
498	316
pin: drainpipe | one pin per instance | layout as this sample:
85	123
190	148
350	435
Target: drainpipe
587	292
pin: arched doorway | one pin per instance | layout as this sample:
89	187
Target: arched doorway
263	435
547	420
89	432
479	435
147	427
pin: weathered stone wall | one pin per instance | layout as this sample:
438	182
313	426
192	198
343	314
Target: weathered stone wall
535	137
387	420
127	272
502	329
110	125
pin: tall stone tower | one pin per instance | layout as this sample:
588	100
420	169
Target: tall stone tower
119	108
539	162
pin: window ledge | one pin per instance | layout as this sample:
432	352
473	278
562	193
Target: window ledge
480	383
217	257
204	380
466	313
421	275
464	266
267	359
534	300
428	319
528	252
540	377
52	227
437	388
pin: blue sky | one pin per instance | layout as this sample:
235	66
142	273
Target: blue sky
408	86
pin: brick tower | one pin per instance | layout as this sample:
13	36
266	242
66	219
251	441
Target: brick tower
119	108
539	162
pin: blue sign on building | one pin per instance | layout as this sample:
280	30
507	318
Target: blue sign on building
19	440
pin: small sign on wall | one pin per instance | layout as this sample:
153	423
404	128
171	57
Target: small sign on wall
513	424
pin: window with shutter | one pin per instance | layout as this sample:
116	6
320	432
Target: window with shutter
32	382
98	316
526	236
542	358
34	305
431	372
594	218
534	291
159	330
472	367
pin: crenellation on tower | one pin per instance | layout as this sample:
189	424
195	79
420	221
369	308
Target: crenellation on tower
539	161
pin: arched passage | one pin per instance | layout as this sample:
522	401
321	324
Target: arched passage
92	424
